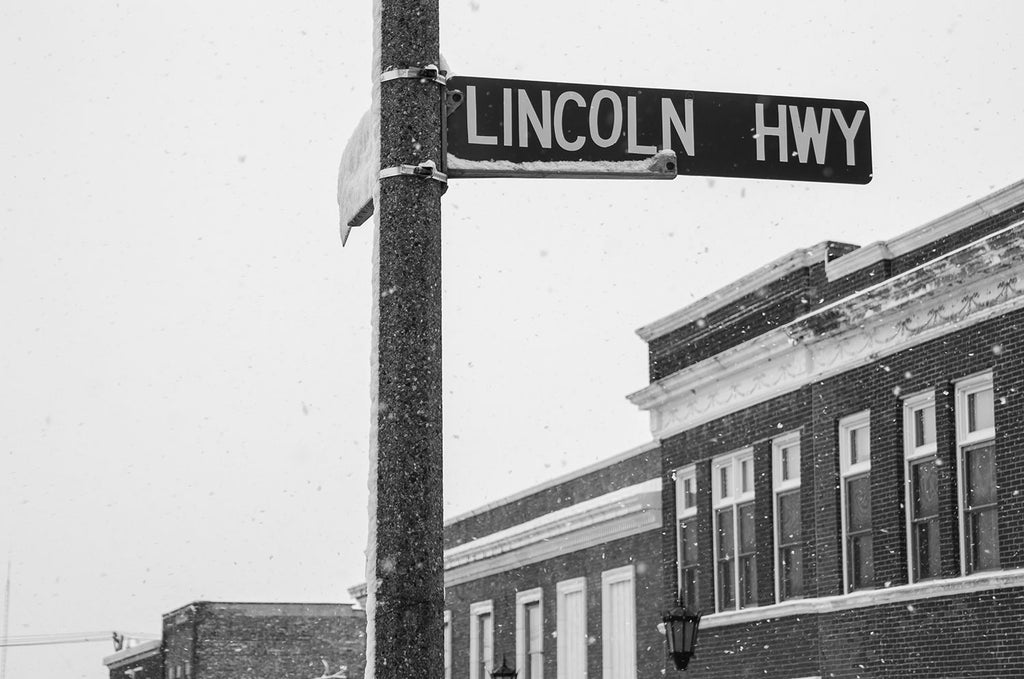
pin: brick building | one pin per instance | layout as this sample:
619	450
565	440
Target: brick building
843	456
210	640
836	479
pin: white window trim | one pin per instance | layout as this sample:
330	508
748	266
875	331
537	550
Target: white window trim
963	388
608	578
475	611
787	440
530	596
681	475
447	645
734	500
561	590
911	454
846	470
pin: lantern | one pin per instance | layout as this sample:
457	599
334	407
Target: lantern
681	626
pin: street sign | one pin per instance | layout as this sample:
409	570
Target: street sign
356	177
507	128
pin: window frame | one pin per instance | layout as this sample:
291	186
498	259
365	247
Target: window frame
523	661
476	645
563	588
781	487
735	499
447	644
683	512
914	455
609	578
965	442
847	472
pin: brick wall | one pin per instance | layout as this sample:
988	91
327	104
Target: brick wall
971	635
642	550
977	635
645	465
755	426
775	304
257	641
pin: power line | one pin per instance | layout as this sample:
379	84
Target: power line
73	638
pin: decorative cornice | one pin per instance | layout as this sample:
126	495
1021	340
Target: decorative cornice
612	516
557	481
932	589
795	260
964	287
948	224
993	204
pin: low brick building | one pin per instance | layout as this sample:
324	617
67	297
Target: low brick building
836	479
212	640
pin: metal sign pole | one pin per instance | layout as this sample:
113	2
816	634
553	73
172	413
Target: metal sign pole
405	572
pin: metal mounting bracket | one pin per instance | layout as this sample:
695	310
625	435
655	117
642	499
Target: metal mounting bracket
430	72
425	170
452	100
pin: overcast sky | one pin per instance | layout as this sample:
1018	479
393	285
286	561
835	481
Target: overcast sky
184	344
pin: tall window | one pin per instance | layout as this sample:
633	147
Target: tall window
686	534
571	601
789	556
481	640
855	489
922	476
618	623
530	634
975	437
447	645
732	496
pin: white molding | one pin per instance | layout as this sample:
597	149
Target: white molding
790	440
556	481
612	516
946	225
917	306
857	421
774	270
992	204
964	439
476	610
914	455
930	589
612	576
686	473
523	599
733	463
447	644
562	588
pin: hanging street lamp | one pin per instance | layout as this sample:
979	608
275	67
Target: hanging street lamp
504	672
680	626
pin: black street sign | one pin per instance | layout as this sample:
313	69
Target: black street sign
500	127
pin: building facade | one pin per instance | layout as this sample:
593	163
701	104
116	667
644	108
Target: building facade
211	640
843	456
835	479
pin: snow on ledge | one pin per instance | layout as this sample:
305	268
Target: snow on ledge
967	584
662	165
